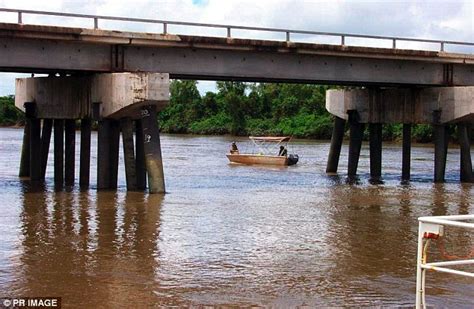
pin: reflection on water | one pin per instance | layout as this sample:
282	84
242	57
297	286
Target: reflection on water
227	234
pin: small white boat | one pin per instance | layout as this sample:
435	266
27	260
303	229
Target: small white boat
271	151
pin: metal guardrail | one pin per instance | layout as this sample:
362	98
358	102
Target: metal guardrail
432	228
229	28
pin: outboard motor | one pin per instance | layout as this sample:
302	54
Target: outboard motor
293	159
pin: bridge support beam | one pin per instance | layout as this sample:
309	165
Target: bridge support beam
70	152
45	142
406	152
140	156
126	126
441	151
34	124
25	152
103	150
336	144
375	131
58	152
114	152
356	134
85	156
108	154
152	147
466	173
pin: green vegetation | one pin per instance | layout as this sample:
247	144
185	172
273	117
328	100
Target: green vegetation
9	114
258	109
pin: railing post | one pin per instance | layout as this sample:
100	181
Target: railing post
343	40
394	43
96	23
442	46
288	36
20	19
420	272
165	28
228	33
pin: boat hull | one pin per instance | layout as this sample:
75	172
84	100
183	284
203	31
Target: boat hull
257	159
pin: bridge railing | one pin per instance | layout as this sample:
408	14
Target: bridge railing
229	28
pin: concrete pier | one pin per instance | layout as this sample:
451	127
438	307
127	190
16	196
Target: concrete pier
114	144
140	155
126	126
406	152
109	98
103	157
34	124
375	140
45	141
437	106
466	173
25	152
85	156
441	148
35	149
70	152
58	152
356	134
336	144
152	147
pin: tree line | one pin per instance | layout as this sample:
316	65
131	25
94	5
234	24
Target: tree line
240	108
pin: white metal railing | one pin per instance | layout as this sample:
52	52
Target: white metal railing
433	228
229	28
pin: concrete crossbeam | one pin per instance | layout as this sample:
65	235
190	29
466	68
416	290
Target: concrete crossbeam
71	97
394	105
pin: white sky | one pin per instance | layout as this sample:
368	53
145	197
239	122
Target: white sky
445	20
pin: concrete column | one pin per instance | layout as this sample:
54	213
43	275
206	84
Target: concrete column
126	126
70	152
152	147
406	151
108	154
35	140
58	152
103	149
375	131
466	173
140	156
45	141
85	157
336	144
441	144
25	152
114	152
356	134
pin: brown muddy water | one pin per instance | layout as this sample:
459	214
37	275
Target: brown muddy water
230	235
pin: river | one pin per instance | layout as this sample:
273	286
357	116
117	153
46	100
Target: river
230	235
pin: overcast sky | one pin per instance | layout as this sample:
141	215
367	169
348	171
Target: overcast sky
446	20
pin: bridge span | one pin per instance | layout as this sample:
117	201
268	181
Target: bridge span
84	57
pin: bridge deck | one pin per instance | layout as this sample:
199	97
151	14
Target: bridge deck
33	48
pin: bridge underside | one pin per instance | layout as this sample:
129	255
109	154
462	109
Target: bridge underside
45	49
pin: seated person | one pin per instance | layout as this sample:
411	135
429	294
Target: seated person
234	149
283	151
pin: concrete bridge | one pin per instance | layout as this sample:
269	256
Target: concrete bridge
101	72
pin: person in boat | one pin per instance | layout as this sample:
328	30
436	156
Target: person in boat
283	152
234	149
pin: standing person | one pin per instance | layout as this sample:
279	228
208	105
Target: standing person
283	151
